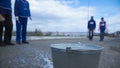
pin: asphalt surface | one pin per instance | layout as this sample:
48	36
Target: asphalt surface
37	54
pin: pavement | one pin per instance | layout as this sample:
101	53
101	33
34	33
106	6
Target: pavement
37	54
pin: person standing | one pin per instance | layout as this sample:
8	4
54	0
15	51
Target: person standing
6	12
91	27
22	12
102	28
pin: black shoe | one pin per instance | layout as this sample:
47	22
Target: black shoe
90	39
11	44
101	40
19	43
25	42
2	44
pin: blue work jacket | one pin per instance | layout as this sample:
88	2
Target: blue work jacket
102	26
5	7
22	8
91	24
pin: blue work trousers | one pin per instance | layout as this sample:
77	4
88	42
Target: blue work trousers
91	33
102	34
21	29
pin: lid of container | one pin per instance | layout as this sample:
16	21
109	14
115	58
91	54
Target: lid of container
79	47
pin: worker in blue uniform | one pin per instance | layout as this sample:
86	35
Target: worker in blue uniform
91	27
6	12
102	28
22	12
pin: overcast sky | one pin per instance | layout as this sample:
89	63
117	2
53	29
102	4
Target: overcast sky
72	15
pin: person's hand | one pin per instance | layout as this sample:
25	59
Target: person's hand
30	18
16	18
2	18
98	29
106	30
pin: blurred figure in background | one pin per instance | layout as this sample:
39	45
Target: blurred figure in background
91	27
6	12
22	12
102	28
